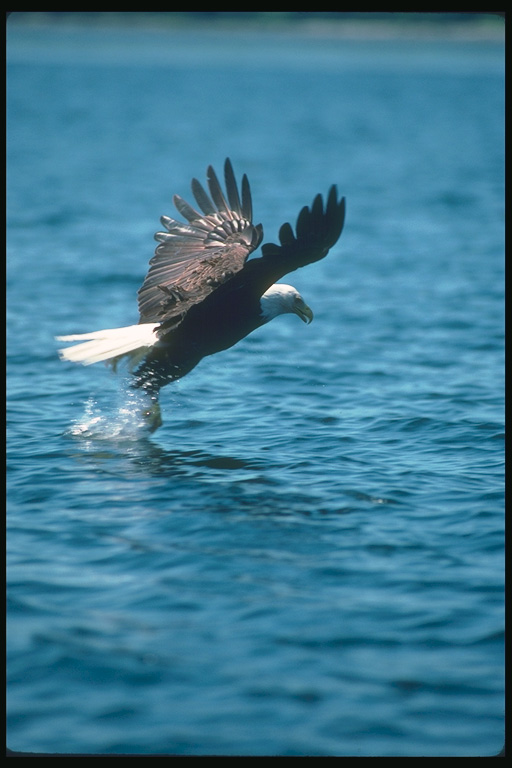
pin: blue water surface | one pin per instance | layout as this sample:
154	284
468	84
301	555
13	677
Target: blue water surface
307	558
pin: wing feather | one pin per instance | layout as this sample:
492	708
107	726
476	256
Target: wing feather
202	198
246	199
232	191
218	195
185	209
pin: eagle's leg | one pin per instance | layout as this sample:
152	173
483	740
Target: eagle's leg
152	415
150	385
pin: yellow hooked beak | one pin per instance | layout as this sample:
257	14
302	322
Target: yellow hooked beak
303	311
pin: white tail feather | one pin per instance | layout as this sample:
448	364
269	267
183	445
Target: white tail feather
109	344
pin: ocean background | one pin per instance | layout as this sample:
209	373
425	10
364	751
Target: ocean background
307	558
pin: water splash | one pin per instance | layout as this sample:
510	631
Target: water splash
126	419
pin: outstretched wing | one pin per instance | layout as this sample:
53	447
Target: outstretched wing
194	259
318	228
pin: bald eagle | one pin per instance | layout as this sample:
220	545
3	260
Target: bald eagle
203	293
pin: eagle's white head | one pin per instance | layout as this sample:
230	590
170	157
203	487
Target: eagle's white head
280	299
